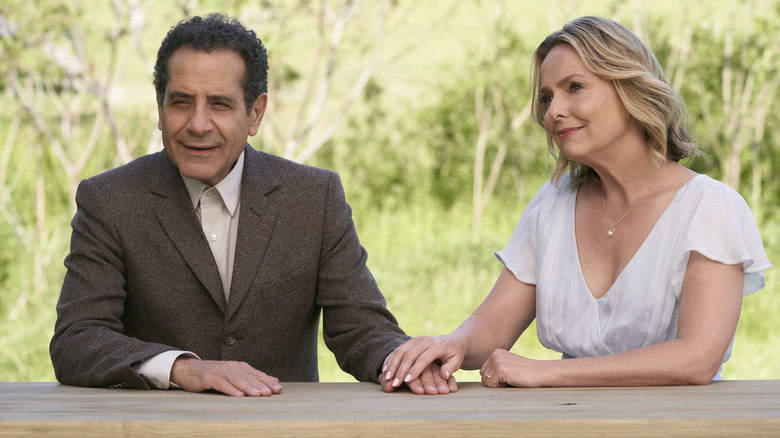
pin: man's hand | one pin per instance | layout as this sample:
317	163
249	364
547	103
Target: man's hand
429	382
422	354
232	378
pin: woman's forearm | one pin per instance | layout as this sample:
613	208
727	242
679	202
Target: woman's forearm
675	362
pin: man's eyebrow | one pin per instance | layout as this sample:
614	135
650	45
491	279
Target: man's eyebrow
211	98
179	94
221	98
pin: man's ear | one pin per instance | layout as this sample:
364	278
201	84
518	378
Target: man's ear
257	113
159	100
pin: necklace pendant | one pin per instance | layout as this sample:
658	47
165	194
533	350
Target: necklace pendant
609	232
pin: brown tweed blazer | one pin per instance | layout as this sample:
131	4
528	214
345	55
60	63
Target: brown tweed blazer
141	278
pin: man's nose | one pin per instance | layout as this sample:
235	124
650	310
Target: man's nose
200	120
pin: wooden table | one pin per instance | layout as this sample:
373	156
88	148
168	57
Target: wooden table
729	408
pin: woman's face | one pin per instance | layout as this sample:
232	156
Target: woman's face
582	111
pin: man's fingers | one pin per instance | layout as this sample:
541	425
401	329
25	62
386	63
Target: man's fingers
251	381
443	385
228	377
416	386
427	381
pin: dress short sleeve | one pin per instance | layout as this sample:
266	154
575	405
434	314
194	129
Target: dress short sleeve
520	255
722	228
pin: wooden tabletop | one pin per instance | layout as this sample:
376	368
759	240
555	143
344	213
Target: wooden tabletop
729	408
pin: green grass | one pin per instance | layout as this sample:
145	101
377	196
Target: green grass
433	271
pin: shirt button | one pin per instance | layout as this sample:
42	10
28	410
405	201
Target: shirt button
230	340
213	237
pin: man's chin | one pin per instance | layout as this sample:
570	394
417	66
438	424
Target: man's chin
203	175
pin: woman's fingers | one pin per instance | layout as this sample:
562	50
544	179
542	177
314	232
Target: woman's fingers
396	369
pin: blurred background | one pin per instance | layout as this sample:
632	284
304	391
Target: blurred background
421	106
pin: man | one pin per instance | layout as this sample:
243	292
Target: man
206	265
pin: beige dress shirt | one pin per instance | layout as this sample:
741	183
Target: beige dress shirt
217	208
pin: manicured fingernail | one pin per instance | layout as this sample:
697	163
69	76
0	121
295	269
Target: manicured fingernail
395	381
408	378
384	368
388	375
447	373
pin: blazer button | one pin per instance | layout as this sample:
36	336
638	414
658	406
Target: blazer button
230	340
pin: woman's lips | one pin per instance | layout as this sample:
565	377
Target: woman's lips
566	132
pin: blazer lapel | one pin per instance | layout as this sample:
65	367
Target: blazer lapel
255	225
180	223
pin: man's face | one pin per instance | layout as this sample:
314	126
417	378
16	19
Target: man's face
203	116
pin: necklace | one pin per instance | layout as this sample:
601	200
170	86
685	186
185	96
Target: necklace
610	228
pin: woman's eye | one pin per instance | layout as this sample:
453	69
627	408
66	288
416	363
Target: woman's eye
574	86
545	100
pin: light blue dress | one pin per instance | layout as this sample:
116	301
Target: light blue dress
642	306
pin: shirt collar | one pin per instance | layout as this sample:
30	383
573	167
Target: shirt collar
229	188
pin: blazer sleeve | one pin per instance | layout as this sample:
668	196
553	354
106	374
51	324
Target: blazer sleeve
88	347
357	326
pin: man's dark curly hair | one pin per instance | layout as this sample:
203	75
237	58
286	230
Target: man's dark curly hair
216	32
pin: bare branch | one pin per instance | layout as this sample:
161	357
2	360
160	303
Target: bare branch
424	35
676	65
27	97
711	129
39	280
354	93
137	22
503	146
521	117
485	114
762	110
11	216
322	92
728	52
315	65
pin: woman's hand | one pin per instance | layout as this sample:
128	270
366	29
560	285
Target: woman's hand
507	369
408	361
430	382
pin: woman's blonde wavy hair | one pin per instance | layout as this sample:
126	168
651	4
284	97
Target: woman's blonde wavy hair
613	52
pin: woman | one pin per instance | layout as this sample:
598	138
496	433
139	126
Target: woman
633	266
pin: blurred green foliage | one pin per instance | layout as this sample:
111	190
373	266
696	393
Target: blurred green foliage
76	99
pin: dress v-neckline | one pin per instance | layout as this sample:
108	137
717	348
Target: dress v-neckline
573	234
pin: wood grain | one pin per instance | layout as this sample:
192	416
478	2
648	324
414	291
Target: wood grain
729	408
